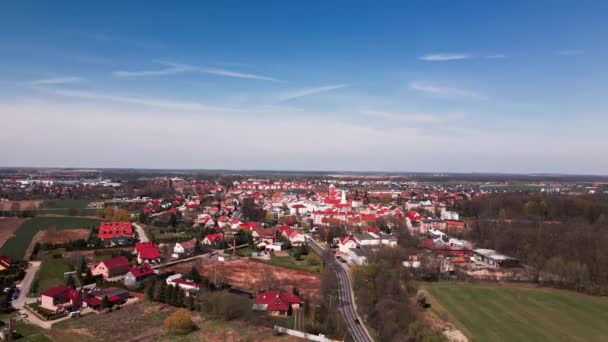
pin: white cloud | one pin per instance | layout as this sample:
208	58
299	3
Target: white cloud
175	68
56	81
444	91
443	57
310	91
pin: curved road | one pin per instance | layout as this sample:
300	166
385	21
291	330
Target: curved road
349	309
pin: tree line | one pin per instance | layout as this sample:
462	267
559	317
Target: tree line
564	238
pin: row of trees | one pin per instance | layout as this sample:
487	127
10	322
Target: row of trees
568	251
385	295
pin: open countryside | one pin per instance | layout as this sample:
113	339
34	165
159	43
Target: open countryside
16	246
520	313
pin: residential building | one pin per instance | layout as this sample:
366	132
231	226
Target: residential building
61	298
147	252
108	230
111	267
185	247
137	274
277	303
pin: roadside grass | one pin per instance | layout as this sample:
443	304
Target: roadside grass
16	246
487	312
50	275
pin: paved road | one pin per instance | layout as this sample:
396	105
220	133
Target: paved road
24	286
349	309
141	233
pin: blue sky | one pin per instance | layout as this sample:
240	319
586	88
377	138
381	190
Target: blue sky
460	86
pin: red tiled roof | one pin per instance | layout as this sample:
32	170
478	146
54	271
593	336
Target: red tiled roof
116	263
147	250
55	291
111	229
141	271
277	301
214	237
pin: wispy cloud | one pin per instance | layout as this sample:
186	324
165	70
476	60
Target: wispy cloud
569	52
496	55
444	91
229	73
55	81
400	116
310	91
444	57
175	68
171	69
145	101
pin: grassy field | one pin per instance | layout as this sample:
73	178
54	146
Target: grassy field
65	204
30	333
520	313
50	275
310	263
16	246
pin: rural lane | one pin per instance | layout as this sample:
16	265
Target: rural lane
349	310
141	233
24	286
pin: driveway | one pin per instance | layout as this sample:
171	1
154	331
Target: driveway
141	233
26	283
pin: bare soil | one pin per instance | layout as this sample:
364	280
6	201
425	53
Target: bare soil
58	236
21	205
256	276
8	227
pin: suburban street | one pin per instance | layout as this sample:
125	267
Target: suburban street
349	309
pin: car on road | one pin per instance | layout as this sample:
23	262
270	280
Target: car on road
341	259
357	321
74	314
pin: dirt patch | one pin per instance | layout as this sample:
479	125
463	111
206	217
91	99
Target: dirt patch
58	236
20	205
256	276
8	227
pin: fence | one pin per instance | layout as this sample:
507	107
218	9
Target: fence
301	334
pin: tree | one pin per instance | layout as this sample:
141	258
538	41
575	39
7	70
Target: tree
151	289
161	292
70	282
179	322
194	275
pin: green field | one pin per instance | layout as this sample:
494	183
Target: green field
309	263
65	204
519	313
50	275
16	246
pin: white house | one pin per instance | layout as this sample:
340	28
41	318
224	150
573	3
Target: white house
184	247
346	243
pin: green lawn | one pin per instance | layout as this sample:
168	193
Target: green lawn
30	333
518	313
50	275
310	263
16	246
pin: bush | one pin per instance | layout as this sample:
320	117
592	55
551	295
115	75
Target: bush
179	322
